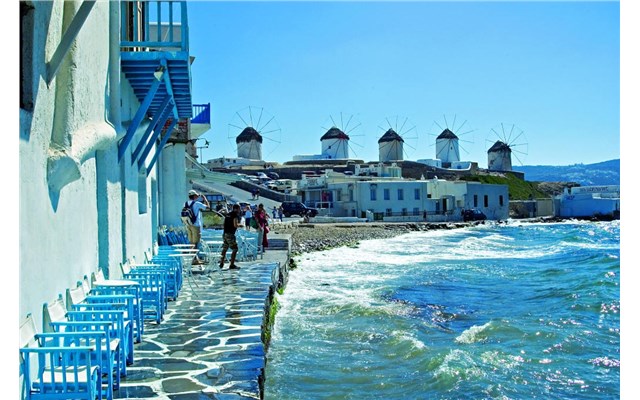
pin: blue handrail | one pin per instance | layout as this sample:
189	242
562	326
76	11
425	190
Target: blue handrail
168	30
202	114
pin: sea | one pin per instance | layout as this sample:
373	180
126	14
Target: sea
494	311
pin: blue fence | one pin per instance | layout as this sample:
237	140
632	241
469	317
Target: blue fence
202	114
169	28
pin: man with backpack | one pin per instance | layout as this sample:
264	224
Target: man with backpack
192	216
231	222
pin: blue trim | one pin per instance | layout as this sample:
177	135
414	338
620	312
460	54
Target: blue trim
141	54
161	146
156	133
152	126
202	114
137	119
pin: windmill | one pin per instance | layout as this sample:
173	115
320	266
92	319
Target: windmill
335	141
510	141
397	133
250	128
448	142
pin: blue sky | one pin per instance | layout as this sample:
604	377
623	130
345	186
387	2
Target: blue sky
551	69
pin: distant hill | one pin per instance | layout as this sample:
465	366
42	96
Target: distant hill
603	173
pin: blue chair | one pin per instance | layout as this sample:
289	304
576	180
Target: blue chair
152	291
115	287
109	327
59	365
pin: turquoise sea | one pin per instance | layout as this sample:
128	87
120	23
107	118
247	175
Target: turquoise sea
496	311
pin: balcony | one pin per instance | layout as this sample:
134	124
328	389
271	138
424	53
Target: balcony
155	60
201	122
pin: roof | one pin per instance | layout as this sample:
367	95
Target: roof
334	133
499	146
390	136
248	134
447	134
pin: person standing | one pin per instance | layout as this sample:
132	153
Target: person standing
248	214
229	236
273	212
280	212
194	229
261	217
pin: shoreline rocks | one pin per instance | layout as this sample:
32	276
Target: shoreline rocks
317	237
310	237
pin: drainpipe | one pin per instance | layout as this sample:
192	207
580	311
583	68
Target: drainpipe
113	118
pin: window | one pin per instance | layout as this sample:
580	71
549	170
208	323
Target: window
400	194
416	194
373	194
416	211
387	196
404	212
26	56
142	193
486	200
475	200
388	212
501	200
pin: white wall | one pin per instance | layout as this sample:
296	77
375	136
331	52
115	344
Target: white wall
447	150
80	208
173	185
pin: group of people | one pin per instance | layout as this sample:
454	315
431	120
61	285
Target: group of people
232	221
277	211
258	220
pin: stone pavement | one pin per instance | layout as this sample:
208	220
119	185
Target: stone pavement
210	344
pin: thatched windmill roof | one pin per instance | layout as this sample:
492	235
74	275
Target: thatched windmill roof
334	133
390	136
499	146
248	134
447	134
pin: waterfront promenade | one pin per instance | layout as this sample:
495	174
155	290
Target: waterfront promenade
211	343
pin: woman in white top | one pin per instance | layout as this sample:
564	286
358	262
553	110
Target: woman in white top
247	217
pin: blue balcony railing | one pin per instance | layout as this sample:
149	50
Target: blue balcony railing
155	59
202	114
155	25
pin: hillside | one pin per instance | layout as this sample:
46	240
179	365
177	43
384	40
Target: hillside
603	173
518	189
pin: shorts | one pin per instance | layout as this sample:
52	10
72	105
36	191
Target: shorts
229	241
193	233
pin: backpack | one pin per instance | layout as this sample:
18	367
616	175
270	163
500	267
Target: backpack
187	214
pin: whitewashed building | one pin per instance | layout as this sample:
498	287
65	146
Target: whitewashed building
99	100
589	201
395	199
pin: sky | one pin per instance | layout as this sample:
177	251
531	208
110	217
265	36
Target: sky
549	70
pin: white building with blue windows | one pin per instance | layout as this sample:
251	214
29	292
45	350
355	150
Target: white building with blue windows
393	199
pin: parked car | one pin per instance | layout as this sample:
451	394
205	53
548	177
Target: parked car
273	175
282	185
473	215
290	208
